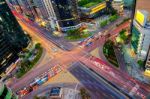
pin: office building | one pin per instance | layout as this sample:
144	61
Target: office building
118	5
62	14
92	11
128	3
6	93
41	8
43	19
140	34
141	27
147	65
12	38
27	8
143	5
16	5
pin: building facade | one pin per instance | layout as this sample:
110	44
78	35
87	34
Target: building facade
128	3
93	11
6	93
41	8
99	8
27	8
118	5
58	14
143	5
12	38
147	65
62	14
16	5
141	34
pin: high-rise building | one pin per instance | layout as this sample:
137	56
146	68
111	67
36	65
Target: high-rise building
62	14
118	5
147	65
12	38
140	29
143	5
6	93
140	34
128	3
89	9
42	9
24	7
27	8
16	5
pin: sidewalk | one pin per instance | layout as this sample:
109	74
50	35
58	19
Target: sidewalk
133	67
120	59
62	77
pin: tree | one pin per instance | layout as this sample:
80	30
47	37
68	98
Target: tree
38	45
113	12
36	97
104	23
109	45
43	97
25	64
29	36
25	50
76	33
113	18
84	94
123	35
141	63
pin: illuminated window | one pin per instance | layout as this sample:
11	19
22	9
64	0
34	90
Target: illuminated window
1	19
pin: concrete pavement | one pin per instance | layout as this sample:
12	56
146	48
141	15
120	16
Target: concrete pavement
63	77
47	88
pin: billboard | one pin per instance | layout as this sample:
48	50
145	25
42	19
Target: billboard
98	8
140	18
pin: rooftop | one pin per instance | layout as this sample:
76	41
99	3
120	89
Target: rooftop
89	3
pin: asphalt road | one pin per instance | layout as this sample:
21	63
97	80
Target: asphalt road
58	41
119	79
115	76
98	87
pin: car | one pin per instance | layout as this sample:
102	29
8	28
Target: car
88	44
23	92
80	42
54	49
51	73
92	36
81	46
96	38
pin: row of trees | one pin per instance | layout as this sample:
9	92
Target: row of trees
25	64
109	52
104	23
77	34
123	37
84	2
84	94
111	19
